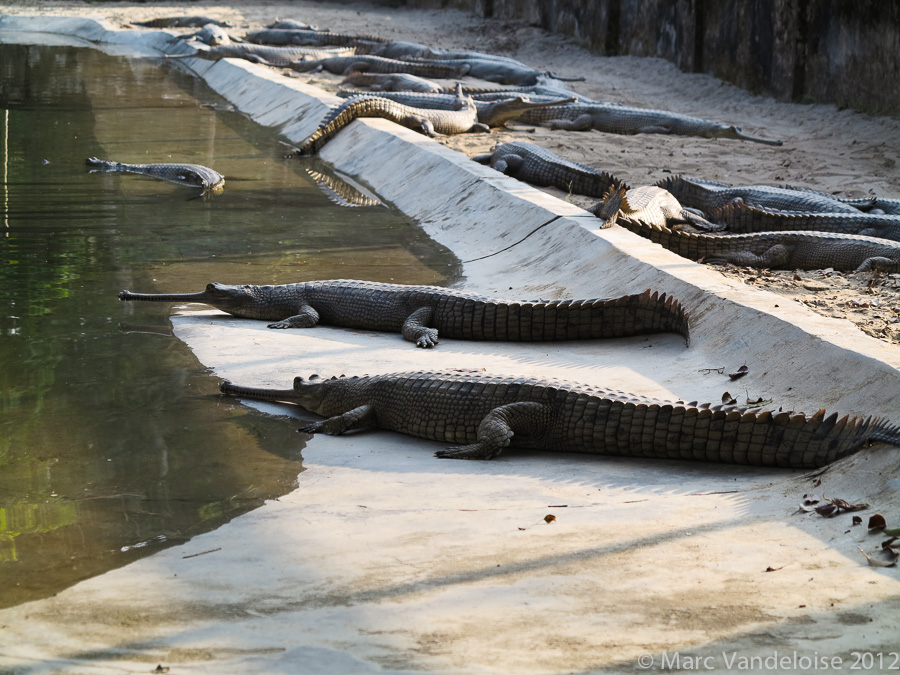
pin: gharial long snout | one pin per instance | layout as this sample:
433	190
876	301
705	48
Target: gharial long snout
202	296
259	393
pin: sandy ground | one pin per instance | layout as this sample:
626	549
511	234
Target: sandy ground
837	151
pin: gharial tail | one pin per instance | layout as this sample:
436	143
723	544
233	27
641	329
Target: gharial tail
613	202
885	431
627	316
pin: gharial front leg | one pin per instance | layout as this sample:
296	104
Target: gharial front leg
879	263
415	328
583	122
307	317
774	257
362	416
526	419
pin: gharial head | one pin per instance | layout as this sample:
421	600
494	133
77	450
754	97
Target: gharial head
719	130
207	179
498	113
313	394
221	296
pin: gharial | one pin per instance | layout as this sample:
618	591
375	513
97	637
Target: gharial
421	313
533	164
618	119
482	415
189	175
467	117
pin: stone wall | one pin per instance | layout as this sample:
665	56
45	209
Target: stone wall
845	52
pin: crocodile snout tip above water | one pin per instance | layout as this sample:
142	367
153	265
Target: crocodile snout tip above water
189	175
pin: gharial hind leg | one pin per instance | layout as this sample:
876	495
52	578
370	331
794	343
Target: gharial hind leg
528	419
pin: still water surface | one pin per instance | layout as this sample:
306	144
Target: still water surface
113	441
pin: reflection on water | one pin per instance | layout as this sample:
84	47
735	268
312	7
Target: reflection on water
113	441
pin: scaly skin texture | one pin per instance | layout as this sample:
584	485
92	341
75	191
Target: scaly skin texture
343	65
428	122
269	56
741	217
210	34
706	195
494	113
420	313
392	82
483	415
777	250
309	38
647	204
618	119
502	71
293	24
181	22
189	175
533	164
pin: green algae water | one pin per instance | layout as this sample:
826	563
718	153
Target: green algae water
113	440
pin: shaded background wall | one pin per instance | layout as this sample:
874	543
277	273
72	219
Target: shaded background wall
845	52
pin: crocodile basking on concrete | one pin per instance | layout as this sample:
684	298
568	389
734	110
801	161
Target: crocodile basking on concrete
647	204
429	121
189	175
740	217
533	164
210	34
265	55
392	82
295	25
421	313
309	38
343	65
495	113
181	22
776	250
707	195
618	119
482	415
496	70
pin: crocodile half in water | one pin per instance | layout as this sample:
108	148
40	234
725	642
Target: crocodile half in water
189	175
420	313
483	415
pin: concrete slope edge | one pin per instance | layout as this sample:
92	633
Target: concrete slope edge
486	218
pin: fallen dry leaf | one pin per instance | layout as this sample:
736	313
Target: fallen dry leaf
844	505
727	399
549	518
875	562
877	522
743	370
